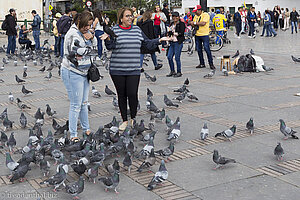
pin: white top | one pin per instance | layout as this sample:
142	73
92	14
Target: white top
98	27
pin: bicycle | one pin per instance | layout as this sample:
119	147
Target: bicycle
217	40
188	42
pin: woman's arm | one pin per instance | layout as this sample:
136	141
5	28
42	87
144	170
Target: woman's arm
95	23
163	17
181	29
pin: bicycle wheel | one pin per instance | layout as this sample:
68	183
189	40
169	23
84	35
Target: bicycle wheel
215	42
187	43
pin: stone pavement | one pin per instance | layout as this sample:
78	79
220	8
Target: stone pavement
223	101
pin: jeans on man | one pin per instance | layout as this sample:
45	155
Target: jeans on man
205	40
56	47
62	38
36	37
99	42
238	27
25	41
251	28
243	27
153	57
294	25
78	91
175	49
272	30
11	47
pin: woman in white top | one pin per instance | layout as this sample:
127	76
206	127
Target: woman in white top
98	28
286	19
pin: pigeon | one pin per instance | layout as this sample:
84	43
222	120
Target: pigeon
252	52
43	69
111	182
15	62
115	102
38	114
227	133
160	115
55	125
159	176
56	180
278	152
19	173
49	76
11	142
149	93
21	105
204	132
149	78
175	132
50	112
24	74
23	120
3	115
192	97
210	74
127	162
236	54
89	106
169	122
109	91
295	59
219	160
34	62
166	152
19	80
181	89
110	32
267	69
1	80
25	91
224	71
75	188
5	61
7	123
250	125
3	139
168	102
147	148
79	167
181	97
186	82
10	163
95	92
151	106
44	167
287	131
10	97
25	67
93	172
150	161
2	68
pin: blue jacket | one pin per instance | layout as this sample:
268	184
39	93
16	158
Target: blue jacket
36	25
237	18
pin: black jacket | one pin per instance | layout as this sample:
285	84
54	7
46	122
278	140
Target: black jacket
237	18
148	29
64	24
294	16
180	28
167	13
11	23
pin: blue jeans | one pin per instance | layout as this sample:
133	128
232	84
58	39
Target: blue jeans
267	29
271	28
153	57
294	24
205	40
56	48
99	42
251	28
11	47
36	37
62	38
78	91
175	49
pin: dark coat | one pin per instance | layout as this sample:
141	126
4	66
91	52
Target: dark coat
148	29
180	28
11	22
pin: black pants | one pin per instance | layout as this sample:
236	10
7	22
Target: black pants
25	41
127	87
238	27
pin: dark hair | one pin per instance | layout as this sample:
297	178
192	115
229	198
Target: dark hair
22	26
97	14
82	19
142	12
33	11
212	10
121	13
165	5
67	10
287	9
147	15
74	9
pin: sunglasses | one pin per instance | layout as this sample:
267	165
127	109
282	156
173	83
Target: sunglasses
129	16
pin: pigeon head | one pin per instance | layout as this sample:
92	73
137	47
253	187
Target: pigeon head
152	153
216	153
205	125
251	119
162	166
233	128
281	122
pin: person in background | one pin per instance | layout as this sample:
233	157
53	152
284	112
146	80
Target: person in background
166	11
136	14
281	19
276	17
176	33
125	70
23	39
222	11
141	15
201	20
75	77
252	19
55	33
188	18
294	20
244	20
286	19
146	25
98	29
11	32
237	18
212	15
219	22
271	27
259	18
36	29
228	16
159	24
267	24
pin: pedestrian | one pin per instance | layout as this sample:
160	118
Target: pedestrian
125	70
244	20
267	24
219	22
23	39
176	33
252	19
286	19
166	11
75	77
98	29
228	16
11	31
276	17
63	25
136	14
212	14
294	20
237	18
259	21
281	19
146	25
55	33
159	22
188	18
271	27
201	23
36	26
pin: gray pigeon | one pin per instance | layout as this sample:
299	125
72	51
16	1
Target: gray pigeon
3	115
168	102
181	89
221	161
75	188
204	132
287	131
151	106
150	161
10	163
295	59
175	131
278	152
93	172
95	92
49	76
111	182
50	112
150	78
108	91
267	69
149	93
115	102
186	82
192	97
236	54
166	152
159	176
56	180
227	133
250	125
169	122
23	120
3	139
21	105
7	124
20	173
24	74
210	74
224	71
44	167
19	80
181	97
160	115
25	91
252	52
147	148
10	97
127	162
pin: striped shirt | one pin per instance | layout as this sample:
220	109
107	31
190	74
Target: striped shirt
125	57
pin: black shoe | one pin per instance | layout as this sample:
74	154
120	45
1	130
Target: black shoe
200	66
171	74
212	67
158	66
142	70
179	74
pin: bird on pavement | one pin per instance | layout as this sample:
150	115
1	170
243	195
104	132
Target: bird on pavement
159	176
287	131
221	161
204	132
237	53
227	133
25	91
279	152
109	91
19	80
250	125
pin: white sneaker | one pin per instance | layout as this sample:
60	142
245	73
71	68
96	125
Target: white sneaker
249	36
123	126
254	36
238	37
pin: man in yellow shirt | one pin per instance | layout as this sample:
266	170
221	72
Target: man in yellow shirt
201	21
219	24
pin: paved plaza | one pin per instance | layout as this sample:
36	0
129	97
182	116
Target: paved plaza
223	101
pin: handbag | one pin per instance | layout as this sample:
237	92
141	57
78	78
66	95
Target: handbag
196	28
93	73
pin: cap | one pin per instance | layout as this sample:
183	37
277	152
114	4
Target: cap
175	14
197	7
57	15
165	4
218	11
11	10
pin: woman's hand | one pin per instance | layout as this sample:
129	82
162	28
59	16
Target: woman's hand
164	39
176	34
104	36
88	36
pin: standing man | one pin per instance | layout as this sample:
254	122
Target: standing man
167	13
252	18
63	25
11	31
244	20
36	26
294	19
219	22
237	18
201	22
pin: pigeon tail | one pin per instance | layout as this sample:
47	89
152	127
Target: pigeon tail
218	135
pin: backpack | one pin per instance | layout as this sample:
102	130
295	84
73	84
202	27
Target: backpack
4	25
64	24
246	64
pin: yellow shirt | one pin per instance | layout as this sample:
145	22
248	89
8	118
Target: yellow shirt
55	31
219	21
203	30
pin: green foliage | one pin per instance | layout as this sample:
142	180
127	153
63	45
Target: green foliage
112	15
